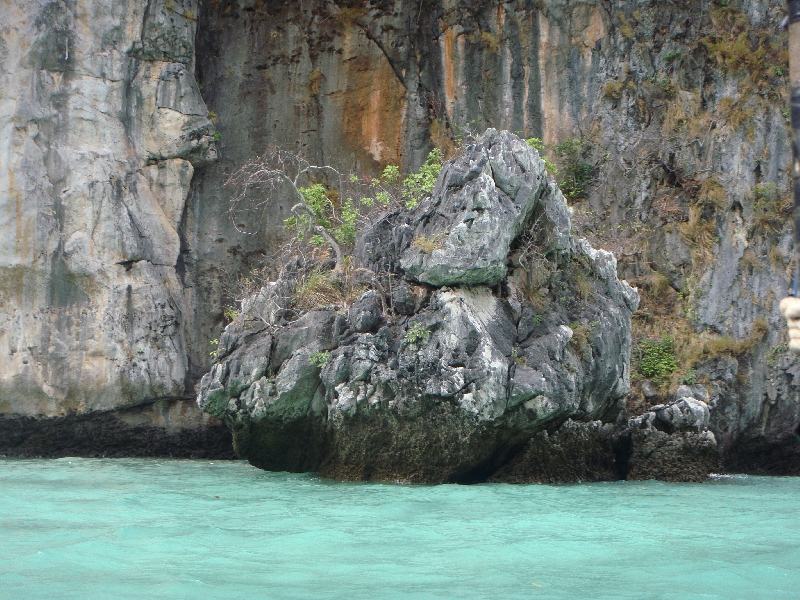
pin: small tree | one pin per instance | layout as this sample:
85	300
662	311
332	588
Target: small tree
329	206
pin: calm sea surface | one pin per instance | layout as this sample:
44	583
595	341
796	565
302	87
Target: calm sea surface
84	528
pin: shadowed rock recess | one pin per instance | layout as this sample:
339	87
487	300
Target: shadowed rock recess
499	351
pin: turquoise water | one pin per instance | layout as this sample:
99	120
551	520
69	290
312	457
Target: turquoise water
87	528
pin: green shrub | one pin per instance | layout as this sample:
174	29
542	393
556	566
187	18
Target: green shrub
658	358
320	359
418	185
417	333
538	145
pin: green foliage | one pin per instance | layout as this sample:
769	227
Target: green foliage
391	174
213	353
364	196
772	355
417	333
658	358
315	197
217	136
418	185
766	192
345	233
320	359
577	173
690	378
671	56
538	145
535	143
230	313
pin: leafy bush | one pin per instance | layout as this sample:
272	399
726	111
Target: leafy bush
538	145
658	358
418	185
320	359
330	207
417	333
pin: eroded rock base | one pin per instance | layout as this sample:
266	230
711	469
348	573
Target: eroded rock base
173	429
577	452
761	455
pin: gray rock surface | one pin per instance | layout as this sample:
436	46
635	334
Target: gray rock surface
673	442
477	209
451	391
102	124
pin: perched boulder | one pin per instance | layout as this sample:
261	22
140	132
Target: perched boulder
478	207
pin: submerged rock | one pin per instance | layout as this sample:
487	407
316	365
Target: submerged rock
463	381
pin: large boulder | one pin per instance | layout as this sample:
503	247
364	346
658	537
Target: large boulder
438	376
478	207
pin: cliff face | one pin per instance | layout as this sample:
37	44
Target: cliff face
102	127
681	113
117	261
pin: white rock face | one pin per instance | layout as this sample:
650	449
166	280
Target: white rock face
101	122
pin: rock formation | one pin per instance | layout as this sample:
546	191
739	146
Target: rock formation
451	389
680	111
102	127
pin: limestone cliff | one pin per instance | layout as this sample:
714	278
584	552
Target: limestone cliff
118	256
681	115
102	127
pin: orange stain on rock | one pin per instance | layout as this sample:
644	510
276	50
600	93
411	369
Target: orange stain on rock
448	60
374	107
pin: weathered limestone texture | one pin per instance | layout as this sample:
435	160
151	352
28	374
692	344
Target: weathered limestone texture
101	125
672	442
116	236
456	389
680	108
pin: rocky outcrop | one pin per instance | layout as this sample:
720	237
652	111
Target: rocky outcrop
672	442
102	127
456	389
685	136
680	110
